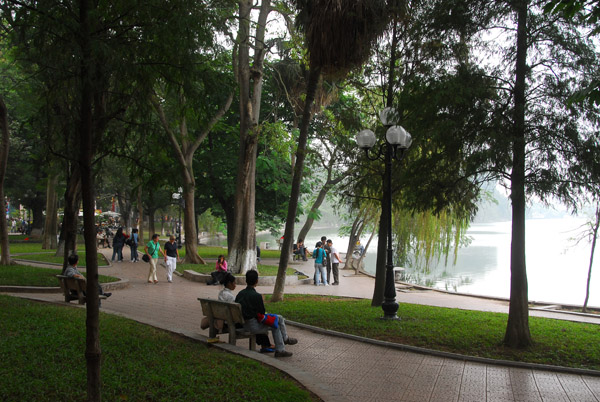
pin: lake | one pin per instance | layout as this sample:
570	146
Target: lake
556	266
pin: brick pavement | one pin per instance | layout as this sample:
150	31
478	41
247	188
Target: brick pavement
340	369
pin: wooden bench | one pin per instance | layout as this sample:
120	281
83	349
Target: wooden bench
231	313
76	284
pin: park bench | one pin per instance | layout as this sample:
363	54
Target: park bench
231	313
76	284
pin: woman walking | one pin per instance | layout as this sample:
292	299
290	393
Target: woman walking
171	258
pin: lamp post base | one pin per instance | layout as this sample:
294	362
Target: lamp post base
389	310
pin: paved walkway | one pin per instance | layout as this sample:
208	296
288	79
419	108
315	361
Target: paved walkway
340	369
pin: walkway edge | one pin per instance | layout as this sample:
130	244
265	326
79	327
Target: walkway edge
449	355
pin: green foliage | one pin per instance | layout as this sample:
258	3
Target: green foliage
42	348
474	333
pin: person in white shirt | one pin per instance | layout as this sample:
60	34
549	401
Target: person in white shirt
335	263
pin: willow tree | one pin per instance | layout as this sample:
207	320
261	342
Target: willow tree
338	37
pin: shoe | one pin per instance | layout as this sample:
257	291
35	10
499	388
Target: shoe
150	282
155	281
291	341
107	294
267	350
170	281
326	284
283	354
335	283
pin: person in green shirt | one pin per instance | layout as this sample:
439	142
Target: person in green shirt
152	249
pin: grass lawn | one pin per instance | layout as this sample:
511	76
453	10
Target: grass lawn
211	252
51	258
264	270
24	275
475	333
42	348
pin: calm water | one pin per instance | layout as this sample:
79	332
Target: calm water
556	267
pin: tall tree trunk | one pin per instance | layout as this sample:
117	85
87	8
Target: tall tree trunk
242	253
86	152
37	210
317	204
49	237
68	234
517	329
189	225
151	225
311	88
140	220
4	146
593	249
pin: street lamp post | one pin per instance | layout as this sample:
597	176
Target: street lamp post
397	142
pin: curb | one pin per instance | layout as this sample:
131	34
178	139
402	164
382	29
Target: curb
449	355
121	284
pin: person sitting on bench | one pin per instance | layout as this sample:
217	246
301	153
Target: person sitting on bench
253	307
300	250
73	272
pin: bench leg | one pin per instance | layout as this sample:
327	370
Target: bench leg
252	342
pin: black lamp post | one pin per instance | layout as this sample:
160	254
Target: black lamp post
397	142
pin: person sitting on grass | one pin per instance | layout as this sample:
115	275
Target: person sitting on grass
253	309
73	272
220	271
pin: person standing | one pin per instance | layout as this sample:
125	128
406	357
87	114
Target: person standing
118	243
320	264
171	258
152	249
135	238
335	263
327	260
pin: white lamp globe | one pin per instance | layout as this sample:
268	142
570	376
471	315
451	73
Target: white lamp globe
397	135
365	139
389	116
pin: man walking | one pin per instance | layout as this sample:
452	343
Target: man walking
335	263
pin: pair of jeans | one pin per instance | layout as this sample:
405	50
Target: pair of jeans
279	333
134	253
320	273
118	252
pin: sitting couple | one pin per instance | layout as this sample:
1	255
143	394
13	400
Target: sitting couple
252	306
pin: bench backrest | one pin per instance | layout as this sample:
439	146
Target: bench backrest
221	310
78	284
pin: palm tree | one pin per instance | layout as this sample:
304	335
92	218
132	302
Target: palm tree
339	35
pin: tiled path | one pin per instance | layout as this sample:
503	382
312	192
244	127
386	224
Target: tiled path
342	369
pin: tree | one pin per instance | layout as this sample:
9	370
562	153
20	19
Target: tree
4	147
339	35
250	75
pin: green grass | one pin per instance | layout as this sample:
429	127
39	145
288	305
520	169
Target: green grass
42	348
51	258
475	333
264	270
25	275
215	252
